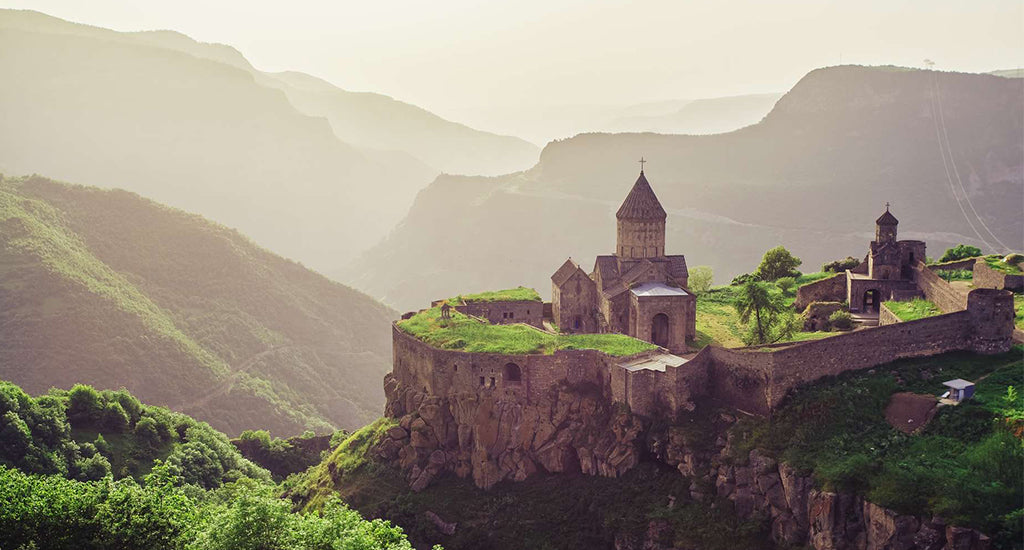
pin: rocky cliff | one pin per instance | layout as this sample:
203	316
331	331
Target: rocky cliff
572	429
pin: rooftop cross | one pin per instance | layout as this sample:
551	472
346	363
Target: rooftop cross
886	204
642	161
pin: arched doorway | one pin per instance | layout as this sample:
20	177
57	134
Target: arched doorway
659	330
871	301
513	374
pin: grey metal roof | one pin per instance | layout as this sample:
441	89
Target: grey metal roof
657	289
653	362
958	384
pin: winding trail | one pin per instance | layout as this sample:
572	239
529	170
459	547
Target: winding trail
229	382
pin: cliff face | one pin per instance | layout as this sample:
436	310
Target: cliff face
492	438
572	429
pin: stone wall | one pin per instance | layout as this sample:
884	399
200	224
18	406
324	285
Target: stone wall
886	316
944	295
506	312
966	263
986	277
832	289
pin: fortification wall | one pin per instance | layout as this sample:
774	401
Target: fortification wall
886	316
443	372
986	277
966	263
944	295
506	311
832	289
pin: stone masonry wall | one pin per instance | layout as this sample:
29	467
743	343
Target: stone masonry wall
986	277
886	316
506	311
832	289
944	295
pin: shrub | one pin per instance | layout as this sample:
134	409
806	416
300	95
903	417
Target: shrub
840	320
701	278
956	274
960	252
786	284
1014	258
840	266
84	405
777	263
743	279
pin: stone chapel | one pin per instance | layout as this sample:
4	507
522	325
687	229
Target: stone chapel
638	290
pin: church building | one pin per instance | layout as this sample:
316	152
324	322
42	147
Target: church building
638	290
888	272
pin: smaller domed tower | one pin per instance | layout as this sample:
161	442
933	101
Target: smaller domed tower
641	224
885	227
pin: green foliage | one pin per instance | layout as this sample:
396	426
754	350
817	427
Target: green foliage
777	263
840	320
840	266
1013	258
509	294
467	334
786	284
956	274
767	316
913	309
999	264
965	465
960	252
700	278
87	434
56	513
283	457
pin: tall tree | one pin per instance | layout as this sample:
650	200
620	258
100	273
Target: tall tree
765	312
777	263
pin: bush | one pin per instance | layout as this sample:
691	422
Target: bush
84	405
786	284
960	252
840	320
839	266
777	263
1013	259
700	279
743	279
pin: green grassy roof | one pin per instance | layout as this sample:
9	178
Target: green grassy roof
507	295
913	309
467	334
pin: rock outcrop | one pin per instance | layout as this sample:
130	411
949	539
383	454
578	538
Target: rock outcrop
490	438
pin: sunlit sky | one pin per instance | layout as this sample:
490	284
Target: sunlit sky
457	57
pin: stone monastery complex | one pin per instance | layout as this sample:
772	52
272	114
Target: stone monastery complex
621	336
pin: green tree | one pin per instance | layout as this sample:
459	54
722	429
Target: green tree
840	266
786	284
777	263
765	312
700	279
960	252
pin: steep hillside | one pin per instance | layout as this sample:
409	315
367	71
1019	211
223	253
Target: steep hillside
813	176
194	125
110	289
701	116
376	121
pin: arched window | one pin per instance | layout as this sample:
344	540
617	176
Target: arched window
512	374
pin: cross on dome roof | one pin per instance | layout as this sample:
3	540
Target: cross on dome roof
641	203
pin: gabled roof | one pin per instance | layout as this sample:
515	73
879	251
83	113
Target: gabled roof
641	203
657	289
958	384
636	271
677	267
887	218
565	272
608	268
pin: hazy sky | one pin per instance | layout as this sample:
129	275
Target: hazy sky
459	57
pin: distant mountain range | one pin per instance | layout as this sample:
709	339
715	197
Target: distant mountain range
700	116
110	289
305	168
813	176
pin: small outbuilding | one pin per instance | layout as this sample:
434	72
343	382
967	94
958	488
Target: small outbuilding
959	389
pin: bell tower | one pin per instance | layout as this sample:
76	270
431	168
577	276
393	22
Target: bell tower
640	223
